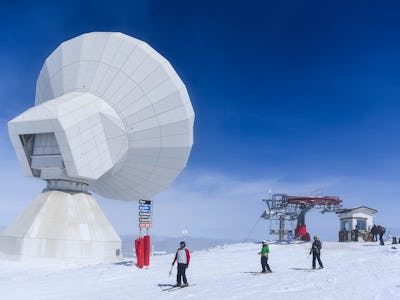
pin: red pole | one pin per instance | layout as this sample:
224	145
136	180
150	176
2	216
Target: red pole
139	247
147	250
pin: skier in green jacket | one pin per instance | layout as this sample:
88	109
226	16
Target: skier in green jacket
264	257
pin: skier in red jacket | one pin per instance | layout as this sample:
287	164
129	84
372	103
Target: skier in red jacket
183	257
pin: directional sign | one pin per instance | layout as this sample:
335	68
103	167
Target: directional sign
145	208
145	213
145	225
148	202
144	205
146	221
145	216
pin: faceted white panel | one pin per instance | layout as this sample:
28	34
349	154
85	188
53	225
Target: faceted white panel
146	113
170	102
62	226
98	76
43	87
53	62
124	52
84	123
107	80
71	50
176	128
147	66
80	82
122	92
166	88
154	79
173	115
175	152
145	124
179	140
119	79
111	49
134	105
89	74
150	133
94	50
136	58
70	74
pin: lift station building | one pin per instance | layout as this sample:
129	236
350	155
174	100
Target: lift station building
362	217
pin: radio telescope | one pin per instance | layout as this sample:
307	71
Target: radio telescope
111	116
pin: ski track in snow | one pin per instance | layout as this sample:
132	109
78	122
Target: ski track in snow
352	270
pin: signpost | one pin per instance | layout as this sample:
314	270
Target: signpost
142	244
145	213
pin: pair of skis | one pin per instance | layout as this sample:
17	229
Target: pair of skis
314	270
175	288
257	273
261	273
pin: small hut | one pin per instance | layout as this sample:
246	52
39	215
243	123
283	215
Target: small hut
355	222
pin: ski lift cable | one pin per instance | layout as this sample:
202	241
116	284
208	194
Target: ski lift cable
251	230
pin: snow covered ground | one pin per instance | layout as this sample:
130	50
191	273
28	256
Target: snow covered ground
352	271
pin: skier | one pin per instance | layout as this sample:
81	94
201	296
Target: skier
374	232
183	257
381	231
356	233
264	257
316	252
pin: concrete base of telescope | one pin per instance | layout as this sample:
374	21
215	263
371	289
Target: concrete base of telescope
62	226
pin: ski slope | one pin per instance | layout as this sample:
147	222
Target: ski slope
352	270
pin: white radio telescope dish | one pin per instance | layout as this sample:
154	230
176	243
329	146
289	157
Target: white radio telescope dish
111	116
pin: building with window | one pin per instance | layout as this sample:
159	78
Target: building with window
358	218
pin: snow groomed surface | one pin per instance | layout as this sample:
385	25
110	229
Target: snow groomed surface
357	270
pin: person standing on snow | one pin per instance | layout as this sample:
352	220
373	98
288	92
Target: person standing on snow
264	257
374	232
381	231
356	233
316	252
183	257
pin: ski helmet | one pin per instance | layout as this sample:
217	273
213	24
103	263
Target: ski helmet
183	244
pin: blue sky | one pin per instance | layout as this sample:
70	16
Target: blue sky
293	96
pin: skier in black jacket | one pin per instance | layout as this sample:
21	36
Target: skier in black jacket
316	252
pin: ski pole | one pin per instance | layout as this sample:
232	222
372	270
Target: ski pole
170	271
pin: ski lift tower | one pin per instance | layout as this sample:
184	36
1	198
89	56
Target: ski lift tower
282	210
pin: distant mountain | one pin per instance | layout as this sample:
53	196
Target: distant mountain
170	244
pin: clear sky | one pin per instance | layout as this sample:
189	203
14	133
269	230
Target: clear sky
292	96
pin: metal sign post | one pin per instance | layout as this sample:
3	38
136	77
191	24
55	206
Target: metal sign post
145	214
142	244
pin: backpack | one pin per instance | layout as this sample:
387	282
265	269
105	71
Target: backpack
317	246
